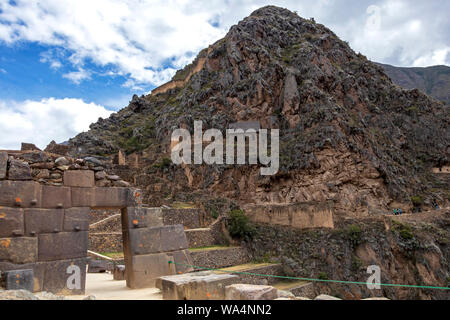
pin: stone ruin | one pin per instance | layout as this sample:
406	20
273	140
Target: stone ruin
45	205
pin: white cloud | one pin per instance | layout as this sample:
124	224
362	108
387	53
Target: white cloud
137	38
39	122
77	76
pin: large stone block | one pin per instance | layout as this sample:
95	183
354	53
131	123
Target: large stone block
3	164
110	198
204	285
82	197
143	217
250	292
79	178
19	170
19	280
65	277
173	238
144	240
63	245
134	197
18	250
56	197
11	222
26	194
119	272
158	239
182	260
38	272
145	269
39	221
76	219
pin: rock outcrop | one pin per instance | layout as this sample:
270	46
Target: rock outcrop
347	133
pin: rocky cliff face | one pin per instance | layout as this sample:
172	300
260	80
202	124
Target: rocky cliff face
434	81
347	133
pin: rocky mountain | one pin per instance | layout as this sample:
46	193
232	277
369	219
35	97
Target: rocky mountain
434	81
348	134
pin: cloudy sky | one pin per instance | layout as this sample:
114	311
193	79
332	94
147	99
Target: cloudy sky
64	63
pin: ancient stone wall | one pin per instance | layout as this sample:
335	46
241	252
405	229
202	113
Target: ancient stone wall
299	215
44	226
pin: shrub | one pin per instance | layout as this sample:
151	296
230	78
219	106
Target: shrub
416	200
354	234
403	230
214	213
322	276
239	225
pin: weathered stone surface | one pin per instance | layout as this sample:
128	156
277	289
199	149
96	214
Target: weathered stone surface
3	164
39	221
204	285
76	219
18	250
58	274
19	280
19	170
303	215
145	269
143	217
183	261
173	238
134	197
119	272
93	160
63	245
325	297
122	184
38	272
62	161
79	178
82	197
11	222
35	157
29	147
100	175
41	173
158	239
144	240
110	198
57	148
250	292
56	197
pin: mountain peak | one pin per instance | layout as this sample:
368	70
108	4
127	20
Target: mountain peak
347	133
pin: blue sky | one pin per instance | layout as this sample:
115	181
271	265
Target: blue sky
67	63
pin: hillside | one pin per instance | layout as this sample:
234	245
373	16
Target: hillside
348	135
434	81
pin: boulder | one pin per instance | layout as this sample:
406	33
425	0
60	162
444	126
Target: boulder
119	272
250	292
62	161
205	285
19	170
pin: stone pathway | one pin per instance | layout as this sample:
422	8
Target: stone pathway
103	287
